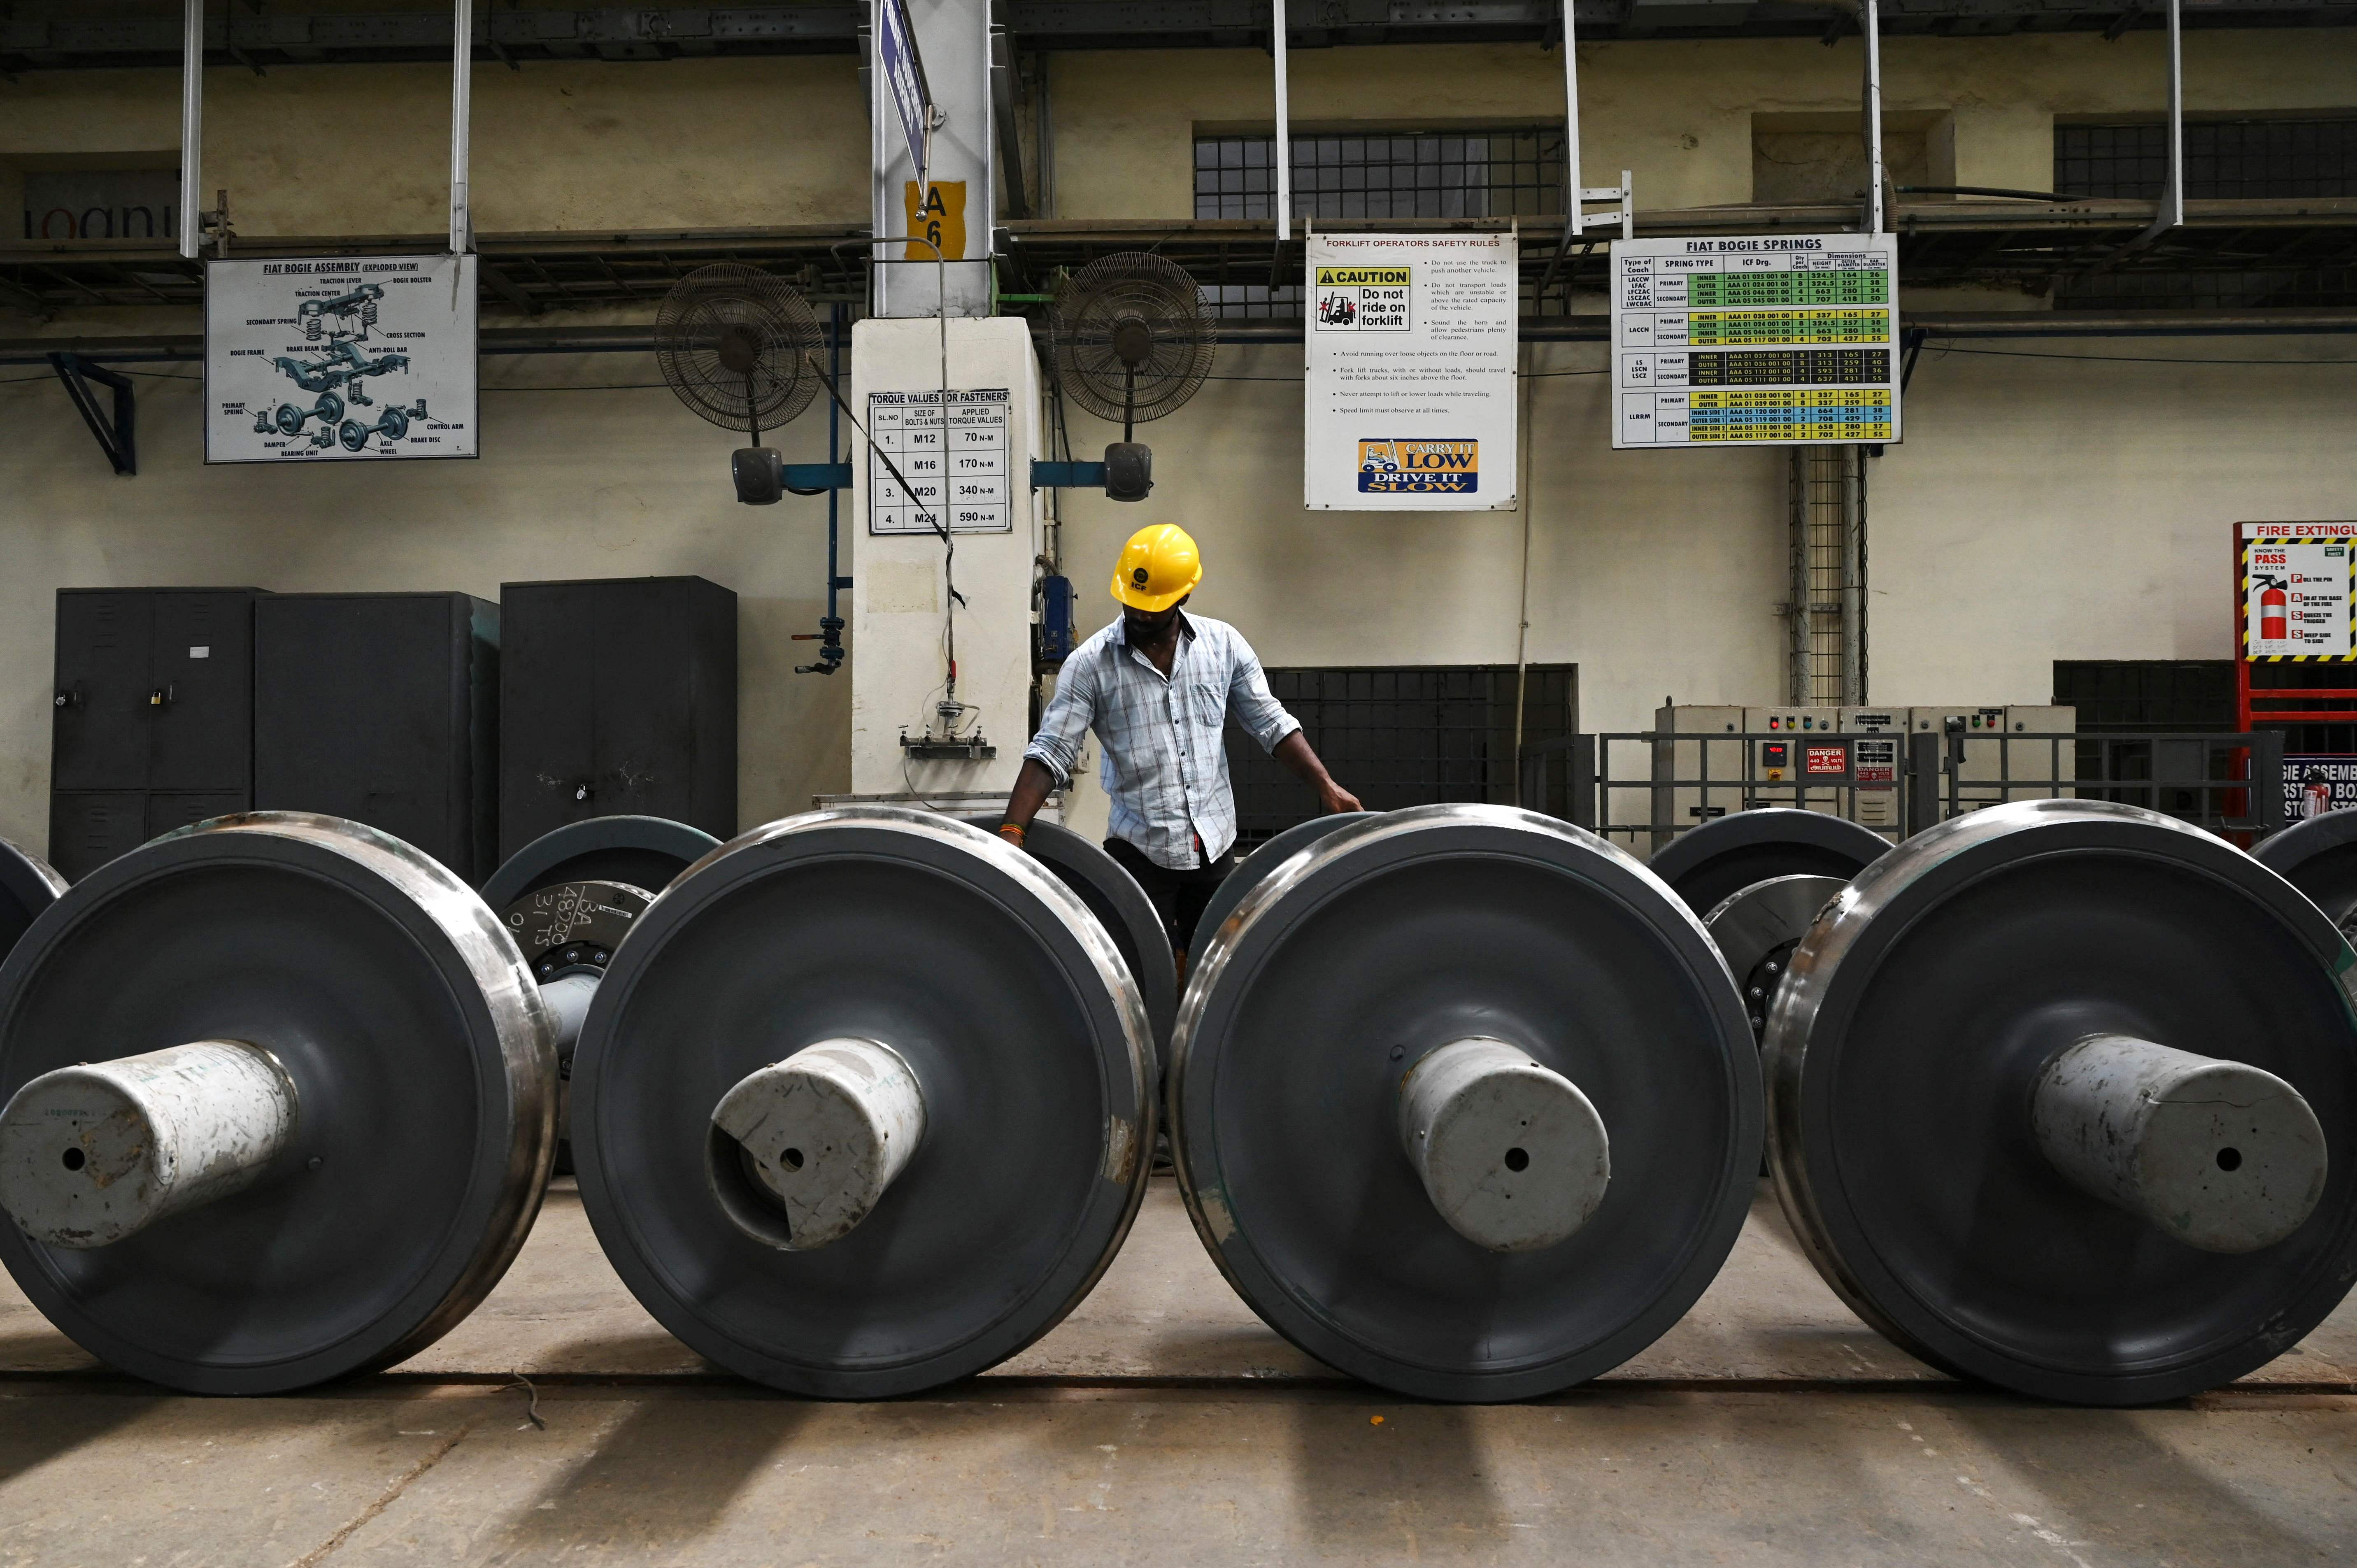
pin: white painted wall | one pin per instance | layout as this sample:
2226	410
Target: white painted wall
899	588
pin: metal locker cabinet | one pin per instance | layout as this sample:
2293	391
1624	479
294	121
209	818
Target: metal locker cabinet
170	808
98	734
201	667
548	635
155	692
90	827
381	708
714	703
619	696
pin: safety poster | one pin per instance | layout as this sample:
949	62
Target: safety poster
961	469
340	359
2296	590
1757	341
1410	373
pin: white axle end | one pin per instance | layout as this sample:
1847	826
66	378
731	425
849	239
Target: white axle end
1511	1153
821	1134
93	1153
2224	1157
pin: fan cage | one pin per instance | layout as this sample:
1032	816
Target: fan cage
708	303
1100	299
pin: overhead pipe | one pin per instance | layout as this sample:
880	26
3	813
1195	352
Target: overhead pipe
503	342
830	629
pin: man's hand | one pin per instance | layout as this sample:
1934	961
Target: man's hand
1294	752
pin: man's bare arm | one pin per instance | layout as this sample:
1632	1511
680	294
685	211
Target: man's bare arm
1032	787
1303	764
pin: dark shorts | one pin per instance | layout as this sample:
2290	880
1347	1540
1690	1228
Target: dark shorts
1179	896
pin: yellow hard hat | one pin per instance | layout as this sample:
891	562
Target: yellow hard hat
1158	567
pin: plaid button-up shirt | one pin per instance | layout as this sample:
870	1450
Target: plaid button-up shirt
1165	763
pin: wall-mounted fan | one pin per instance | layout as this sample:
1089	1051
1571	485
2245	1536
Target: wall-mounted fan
740	348
1131	341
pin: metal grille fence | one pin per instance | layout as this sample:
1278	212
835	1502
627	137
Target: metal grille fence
1826	611
1641	789
1409	736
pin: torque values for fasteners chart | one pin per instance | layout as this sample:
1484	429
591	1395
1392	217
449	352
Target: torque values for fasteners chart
968	478
1764	341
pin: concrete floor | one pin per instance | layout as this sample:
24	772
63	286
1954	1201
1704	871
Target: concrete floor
1163	1424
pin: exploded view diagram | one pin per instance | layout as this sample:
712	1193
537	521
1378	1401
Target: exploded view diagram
339	374
366	357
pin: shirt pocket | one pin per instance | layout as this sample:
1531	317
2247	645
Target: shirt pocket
1210	703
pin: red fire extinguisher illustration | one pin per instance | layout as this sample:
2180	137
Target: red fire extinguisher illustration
2273	626
2315	795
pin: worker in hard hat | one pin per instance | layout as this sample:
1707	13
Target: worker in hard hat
1158	685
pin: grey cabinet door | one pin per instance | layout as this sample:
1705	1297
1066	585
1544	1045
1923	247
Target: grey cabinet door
99	735
90	827
200	665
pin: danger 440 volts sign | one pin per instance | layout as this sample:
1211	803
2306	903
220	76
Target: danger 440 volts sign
1410	384
2296	583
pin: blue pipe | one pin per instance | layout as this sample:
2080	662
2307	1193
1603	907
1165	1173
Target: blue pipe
830	629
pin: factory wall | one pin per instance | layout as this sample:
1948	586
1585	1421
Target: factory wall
2068	504
326	150
329	150
2052	500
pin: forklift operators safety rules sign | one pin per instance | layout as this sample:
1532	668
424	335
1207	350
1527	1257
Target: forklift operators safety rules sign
1410	373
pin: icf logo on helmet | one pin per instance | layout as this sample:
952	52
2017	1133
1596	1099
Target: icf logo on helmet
1398	466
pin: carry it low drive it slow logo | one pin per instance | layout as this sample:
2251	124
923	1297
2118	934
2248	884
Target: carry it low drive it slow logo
1396	467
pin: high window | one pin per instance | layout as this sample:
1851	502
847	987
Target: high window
1505	173
2224	159
1409	174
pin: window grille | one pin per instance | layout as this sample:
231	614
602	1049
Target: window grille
1408	736
2147	695
1495	174
1386	175
2224	159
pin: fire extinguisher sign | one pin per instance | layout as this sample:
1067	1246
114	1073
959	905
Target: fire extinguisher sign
2296	590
